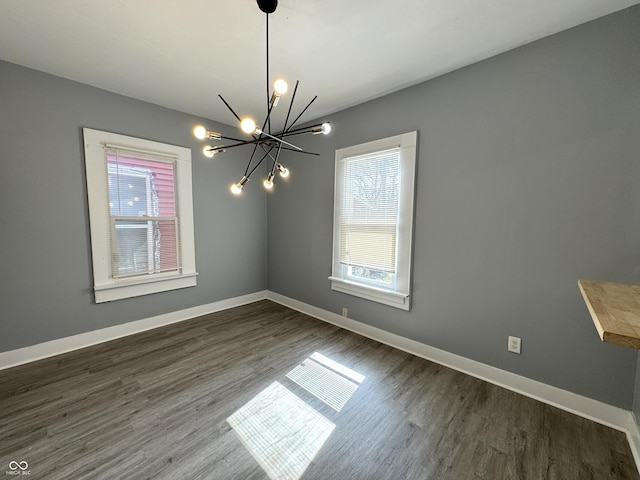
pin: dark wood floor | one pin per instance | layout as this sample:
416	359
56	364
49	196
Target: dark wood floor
222	397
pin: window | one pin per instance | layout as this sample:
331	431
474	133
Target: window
141	215
373	220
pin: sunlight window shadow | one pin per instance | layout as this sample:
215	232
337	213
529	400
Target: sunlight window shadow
281	432
338	367
327	380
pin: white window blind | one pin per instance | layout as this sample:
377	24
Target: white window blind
144	231
369	214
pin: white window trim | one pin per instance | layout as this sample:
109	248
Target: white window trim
400	296
106	287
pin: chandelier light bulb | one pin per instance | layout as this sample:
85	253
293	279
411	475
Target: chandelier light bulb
284	172
248	125
280	86
325	128
208	151
268	182
236	188
200	132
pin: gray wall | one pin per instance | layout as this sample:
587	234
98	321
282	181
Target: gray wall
45	264
636	394
527	180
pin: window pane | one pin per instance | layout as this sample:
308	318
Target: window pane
132	242
142	188
371	245
369	215
139	186
129	191
144	247
369	274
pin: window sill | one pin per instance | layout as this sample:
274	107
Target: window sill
136	287
380	295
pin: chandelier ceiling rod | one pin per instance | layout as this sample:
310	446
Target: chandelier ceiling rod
271	144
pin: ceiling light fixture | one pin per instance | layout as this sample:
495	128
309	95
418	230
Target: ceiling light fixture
270	144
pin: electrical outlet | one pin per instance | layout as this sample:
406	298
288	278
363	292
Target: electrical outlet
345	311
514	344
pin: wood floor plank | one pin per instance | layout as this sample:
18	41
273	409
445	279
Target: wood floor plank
155	406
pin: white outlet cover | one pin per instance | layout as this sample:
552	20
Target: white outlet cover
514	344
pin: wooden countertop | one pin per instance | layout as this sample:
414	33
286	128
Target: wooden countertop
615	310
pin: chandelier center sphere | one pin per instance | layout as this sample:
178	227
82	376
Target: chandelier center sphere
268	6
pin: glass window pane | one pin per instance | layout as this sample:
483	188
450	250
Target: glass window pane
145	247
139	186
369	216
132	242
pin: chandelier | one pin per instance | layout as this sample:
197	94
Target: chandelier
266	144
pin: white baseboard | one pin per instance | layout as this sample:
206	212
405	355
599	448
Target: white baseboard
600	412
32	353
633	437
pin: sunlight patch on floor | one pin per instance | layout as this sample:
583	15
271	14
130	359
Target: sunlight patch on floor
281	431
323	383
338	367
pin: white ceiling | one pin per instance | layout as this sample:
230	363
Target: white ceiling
182	54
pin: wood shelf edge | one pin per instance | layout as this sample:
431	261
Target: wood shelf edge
592	312
615	311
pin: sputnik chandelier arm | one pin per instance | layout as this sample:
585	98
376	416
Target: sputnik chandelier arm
271	144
